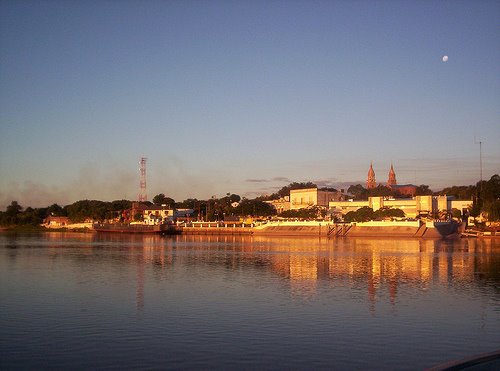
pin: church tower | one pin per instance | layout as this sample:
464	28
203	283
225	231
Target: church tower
392	177
370	182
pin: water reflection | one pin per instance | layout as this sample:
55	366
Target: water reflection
377	267
239	301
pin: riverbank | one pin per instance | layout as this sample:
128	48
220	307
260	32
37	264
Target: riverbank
398	229
371	229
28	228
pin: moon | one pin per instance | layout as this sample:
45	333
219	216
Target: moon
445	58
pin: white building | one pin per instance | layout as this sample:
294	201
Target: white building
157	214
282	204
308	197
412	207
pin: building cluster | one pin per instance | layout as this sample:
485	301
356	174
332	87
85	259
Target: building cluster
157	214
336	203
339	204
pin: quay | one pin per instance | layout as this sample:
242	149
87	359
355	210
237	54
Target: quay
400	229
215	228
283	228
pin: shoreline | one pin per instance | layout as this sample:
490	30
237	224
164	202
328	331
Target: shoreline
372	229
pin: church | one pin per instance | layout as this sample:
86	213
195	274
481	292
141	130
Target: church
404	189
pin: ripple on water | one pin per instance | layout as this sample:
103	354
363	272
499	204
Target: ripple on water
189	303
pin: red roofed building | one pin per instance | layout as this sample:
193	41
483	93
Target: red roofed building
406	189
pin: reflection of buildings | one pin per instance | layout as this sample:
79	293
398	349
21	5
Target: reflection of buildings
381	266
378	270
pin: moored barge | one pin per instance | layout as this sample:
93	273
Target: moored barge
137	228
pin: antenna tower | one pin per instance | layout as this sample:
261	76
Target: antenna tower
143	195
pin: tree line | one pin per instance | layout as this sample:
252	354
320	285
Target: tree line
485	194
78	211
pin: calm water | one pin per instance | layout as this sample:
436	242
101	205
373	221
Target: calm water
84	301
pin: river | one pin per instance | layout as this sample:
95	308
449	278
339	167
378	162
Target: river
111	301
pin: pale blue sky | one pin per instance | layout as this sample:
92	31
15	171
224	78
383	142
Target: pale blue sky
243	96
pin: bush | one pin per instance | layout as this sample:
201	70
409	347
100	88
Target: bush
363	214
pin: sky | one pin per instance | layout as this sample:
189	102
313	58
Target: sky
243	97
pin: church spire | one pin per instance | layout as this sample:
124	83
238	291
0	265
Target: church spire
370	182
392	177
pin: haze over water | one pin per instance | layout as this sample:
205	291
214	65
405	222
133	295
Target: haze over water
87	301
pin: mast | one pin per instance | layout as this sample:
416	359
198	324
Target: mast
143	194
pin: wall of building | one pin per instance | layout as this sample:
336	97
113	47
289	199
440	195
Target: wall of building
156	215
411	207
460	204
344	207
280	205
303	198
424	204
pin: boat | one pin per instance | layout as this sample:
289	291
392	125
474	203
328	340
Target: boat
447	228
485	361
137	228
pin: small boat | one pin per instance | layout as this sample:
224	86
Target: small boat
472	233
485	361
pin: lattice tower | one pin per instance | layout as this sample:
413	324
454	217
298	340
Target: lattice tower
143	194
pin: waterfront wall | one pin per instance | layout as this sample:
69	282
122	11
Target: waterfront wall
399	229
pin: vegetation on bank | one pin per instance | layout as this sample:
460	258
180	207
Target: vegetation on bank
485	194
77	212
306	213
24	228
366	213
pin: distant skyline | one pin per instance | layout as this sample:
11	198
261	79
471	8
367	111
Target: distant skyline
243	97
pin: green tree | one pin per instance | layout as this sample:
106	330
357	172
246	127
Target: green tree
456	214
358	192
10	216
492	209
13	209
363	214
313	212
190	203
490	189
55	210
459	192
328	189
388	212
488	193
30	216
475	211
285	191
423	190
120	205
15	215
254	207
161	199
88	209
234	198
